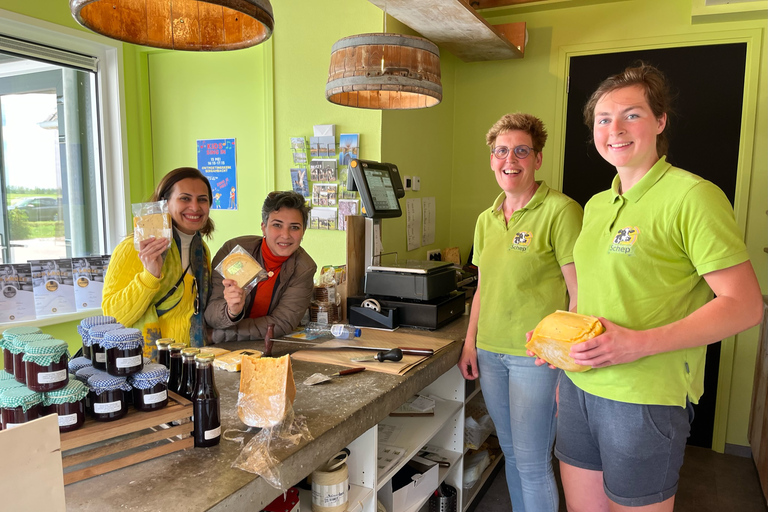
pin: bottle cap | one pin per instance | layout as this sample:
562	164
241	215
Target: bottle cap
358	332
189	352
178	346
205	357
164	343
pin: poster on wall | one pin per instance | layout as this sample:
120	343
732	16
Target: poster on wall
216	159
17	301
53	287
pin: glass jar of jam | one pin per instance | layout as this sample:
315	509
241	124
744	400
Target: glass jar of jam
108	396
87	323
18	345
83	374
46	365
96	336
6	385
188	375
78	363
150	387
20	405
125	349
69	403
8	336
206	403
164	351
174	378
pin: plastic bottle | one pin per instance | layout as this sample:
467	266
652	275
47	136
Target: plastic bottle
341	331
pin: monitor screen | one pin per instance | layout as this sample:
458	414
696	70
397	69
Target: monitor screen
379	185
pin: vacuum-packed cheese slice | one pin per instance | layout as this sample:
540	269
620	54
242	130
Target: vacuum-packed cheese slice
553	337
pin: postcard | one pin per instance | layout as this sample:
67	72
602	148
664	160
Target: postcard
344	193
300	182
323	218
349	147
347	207
327	146
17	302
323	170
324	194
297	144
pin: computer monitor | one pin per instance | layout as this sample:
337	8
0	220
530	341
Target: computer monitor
379	185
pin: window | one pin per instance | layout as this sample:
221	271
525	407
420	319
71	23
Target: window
61	180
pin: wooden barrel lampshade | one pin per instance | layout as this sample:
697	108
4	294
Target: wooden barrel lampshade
193	25
384	71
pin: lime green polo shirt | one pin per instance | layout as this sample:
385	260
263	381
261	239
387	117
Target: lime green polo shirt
639	260
521	280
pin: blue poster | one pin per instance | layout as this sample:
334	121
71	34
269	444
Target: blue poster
216	159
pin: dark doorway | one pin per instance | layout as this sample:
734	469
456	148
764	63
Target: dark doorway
704	133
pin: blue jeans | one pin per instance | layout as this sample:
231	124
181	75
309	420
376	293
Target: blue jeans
520	397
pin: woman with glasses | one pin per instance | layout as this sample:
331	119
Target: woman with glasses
523	251
163	288
653	249
284	297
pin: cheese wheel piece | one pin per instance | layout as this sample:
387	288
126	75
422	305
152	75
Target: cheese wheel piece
240	267
267	390
553	337
153	224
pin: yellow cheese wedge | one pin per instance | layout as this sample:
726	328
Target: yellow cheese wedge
267	390
553	337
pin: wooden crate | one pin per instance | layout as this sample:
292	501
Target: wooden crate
100	447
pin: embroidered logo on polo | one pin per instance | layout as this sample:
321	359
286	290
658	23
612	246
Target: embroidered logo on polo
521	241
624	240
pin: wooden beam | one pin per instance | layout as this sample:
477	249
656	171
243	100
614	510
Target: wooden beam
455	26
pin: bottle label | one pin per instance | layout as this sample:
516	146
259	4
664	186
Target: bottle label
67	420
128	362
339	331
51	377
213	434
154	398
107	407
322	317
101	357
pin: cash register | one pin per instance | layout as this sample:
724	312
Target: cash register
415	294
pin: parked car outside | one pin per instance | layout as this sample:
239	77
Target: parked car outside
38	208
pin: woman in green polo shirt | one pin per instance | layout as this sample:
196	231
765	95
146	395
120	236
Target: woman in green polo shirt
523	251
651	252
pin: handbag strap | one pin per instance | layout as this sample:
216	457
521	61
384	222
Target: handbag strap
161	312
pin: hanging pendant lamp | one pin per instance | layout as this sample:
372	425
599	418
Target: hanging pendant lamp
196	25
384	71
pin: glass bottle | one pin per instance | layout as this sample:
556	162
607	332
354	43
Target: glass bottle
206	403
188	374
174	377
164	351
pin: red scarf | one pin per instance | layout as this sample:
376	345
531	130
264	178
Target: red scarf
264	289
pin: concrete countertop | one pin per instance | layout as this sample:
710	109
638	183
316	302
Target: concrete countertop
203	479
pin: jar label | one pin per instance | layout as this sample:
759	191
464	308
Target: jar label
322	317
101	357
51	377
154	398
128	362
333	495
213	434
67	420
107	407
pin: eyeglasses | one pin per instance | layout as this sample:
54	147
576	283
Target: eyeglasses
522	151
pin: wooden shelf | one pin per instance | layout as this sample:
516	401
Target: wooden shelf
459	29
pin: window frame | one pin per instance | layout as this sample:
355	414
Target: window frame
112	143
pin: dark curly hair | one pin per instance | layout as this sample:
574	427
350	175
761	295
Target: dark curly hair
288	199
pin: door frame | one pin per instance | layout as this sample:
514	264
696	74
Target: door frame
752	38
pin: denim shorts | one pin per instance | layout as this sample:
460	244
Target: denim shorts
639	448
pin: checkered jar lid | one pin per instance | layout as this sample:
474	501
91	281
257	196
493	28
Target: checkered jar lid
151	375
103	381
45	352
124	339
83	374
73	392
20	397
97	332
13	332
19	343
78	363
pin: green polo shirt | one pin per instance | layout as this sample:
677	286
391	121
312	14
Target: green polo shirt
640	259
519	262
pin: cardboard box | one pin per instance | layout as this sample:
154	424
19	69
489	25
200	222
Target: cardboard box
413	484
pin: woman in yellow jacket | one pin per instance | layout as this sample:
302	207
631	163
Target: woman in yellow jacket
163	288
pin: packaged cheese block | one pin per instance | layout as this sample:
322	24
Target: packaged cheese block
553	337
151	220
231	361
242	267
267	390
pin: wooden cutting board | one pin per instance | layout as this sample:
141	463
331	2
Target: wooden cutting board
328	354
